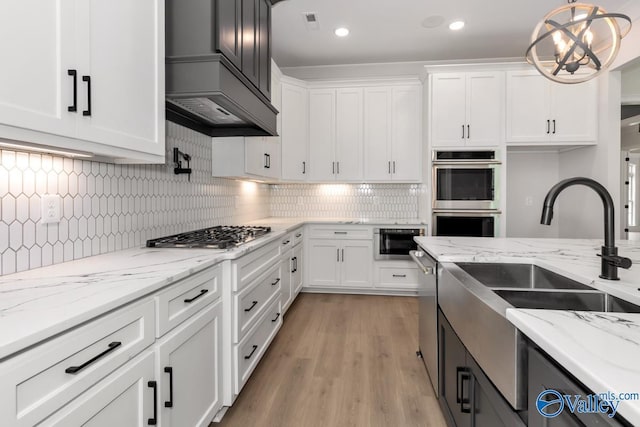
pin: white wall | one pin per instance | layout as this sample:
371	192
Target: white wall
530	175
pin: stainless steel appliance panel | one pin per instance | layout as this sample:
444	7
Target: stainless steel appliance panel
428	314
466	223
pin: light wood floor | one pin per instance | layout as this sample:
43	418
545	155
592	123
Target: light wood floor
341	360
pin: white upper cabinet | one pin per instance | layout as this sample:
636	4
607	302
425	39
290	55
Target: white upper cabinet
322	134
85	75
467	109
541	111
295	132
392	133
349	129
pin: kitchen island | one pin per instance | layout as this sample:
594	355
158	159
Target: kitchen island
600	350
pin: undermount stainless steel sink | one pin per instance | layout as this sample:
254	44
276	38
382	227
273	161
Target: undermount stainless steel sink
500	275
475	298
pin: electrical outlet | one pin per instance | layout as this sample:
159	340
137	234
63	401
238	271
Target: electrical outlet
51	208
528	201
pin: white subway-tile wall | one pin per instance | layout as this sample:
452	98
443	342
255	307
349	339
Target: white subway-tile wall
108	207
374	201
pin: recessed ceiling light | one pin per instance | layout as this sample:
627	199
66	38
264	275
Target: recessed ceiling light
456	25
342	32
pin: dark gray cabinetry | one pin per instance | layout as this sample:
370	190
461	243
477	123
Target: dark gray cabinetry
467	397
545	375
250	40
264	47
228	37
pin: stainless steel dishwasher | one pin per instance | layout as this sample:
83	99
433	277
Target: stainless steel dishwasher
428	314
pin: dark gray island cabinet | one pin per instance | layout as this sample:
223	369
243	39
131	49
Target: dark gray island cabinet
467	396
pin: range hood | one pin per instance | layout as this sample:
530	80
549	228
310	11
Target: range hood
205	89
208	94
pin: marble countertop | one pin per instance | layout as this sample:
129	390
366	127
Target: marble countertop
600	349
39	303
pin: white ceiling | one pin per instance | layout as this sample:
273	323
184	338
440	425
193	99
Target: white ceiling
391	30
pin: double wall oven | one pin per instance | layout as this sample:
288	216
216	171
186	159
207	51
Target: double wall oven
466	193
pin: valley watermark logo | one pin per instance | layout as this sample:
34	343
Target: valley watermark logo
550	403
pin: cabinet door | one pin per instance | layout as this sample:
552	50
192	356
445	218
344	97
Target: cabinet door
123	103
264	47
295	132
453	369
356	263
406	134
377	134
286	274
229	30
574	111
527	107
448	110
190	370
322	134
250	46
255	158
272	149
124	398
298	270
37	52
349	120
485	102
324	271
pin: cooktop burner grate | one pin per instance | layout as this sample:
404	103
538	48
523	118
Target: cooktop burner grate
218	237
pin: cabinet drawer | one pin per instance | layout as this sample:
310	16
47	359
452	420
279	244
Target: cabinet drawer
397	277
298	235
38	382
248	267
286	242
247	354
358	232
251	302
184	298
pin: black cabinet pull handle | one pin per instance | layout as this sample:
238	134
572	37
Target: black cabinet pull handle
459	370
169	370
293	265
87	79
255	347
338	167
304	168
399	275
338	255
252	305
342	255
276	282
268	161
299	235
202	292
276	319
548	126
389	166
464	376
339	232
75	369
468	131
462	131
286	242
296	260
154	385
554	126
394	166
73	108
333	168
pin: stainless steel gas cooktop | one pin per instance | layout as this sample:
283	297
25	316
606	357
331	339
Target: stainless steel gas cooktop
218	237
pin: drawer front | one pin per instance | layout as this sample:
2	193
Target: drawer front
352	232
248	353
286	242
298	235
184	298
398	277
39	381
250	266
252	301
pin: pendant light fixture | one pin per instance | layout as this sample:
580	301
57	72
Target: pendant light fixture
576	42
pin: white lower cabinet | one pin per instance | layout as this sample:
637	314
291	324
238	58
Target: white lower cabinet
128	397
396	275
340	263
189	370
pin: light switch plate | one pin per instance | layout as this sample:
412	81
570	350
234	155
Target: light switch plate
51	208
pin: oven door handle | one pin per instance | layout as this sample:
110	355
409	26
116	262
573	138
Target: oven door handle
466	162
468	212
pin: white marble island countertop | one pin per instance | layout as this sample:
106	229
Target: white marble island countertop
601	350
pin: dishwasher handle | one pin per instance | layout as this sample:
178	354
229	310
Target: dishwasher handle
416	256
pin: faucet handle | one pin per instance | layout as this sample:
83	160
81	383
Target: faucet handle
618	261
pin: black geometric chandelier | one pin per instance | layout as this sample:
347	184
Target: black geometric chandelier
576	42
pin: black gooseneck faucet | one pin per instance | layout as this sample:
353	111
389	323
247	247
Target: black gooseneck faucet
610	259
